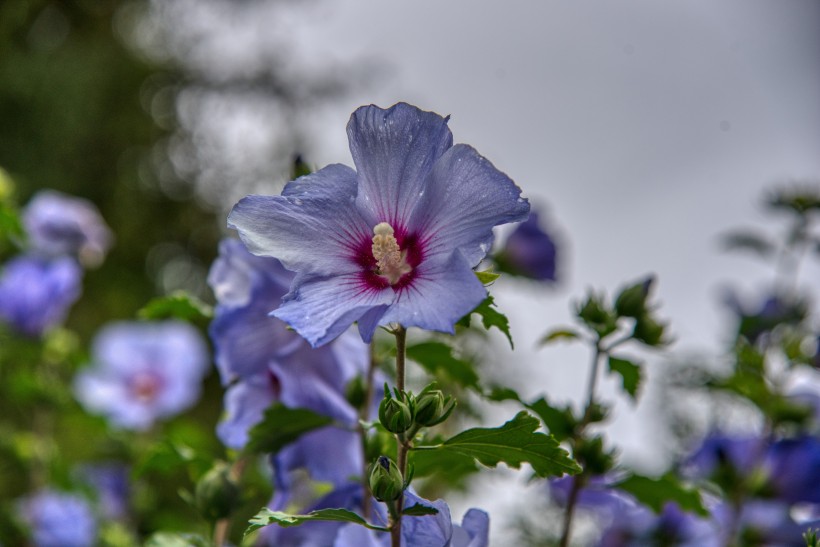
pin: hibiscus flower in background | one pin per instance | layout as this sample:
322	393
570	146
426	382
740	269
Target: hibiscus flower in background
58	519
396	240
260	359
62	225
528	252
142	372
36	293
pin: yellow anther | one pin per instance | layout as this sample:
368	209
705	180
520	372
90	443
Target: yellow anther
388	255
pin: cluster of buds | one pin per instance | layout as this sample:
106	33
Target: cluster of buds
408	413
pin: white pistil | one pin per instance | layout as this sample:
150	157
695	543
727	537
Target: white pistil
391	261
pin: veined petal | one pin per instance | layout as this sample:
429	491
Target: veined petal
464	198
321	308
394	150
313	227
443	291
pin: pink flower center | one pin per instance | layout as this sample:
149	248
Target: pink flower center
145	386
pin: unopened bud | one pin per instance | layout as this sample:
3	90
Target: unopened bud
631	302
386	482
432	407
395	415
216	493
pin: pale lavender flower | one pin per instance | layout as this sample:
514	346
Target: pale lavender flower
394	242
262	361
641	527
528	252
58	519
36	293
61	225
142	372
436	530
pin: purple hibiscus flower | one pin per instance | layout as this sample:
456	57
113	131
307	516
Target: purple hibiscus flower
395	241
59	225
793	469
642	527
263	361
58	519
36	293
142	372
528	252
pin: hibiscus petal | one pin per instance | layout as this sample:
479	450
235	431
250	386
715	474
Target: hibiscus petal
313	227
394	151
464	198
443	291
321	308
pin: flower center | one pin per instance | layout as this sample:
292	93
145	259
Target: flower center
391	261
145	387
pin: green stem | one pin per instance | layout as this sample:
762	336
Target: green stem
578	480
402	445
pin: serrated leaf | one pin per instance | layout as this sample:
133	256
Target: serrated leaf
266	517
419	510
449	468
630	374
486	277
282	425
559	334
177	305
490	317
655	493
559	421
171	539
437	358
513	443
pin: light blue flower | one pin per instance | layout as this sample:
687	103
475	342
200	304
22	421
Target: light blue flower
61	225
142	372
58	519
435	530
36	293
260	359
394	241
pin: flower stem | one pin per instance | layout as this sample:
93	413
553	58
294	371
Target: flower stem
402	445
578	480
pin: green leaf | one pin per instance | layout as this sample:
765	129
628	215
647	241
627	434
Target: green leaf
487	277
630	374
656	492
437	359
513	443
448	468
560	422
282	425
419	510
490	317
177	305
559	334
176	539
266	517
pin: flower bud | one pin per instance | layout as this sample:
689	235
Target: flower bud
216	493
386	482
631	302
432	407
395	415
649	331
